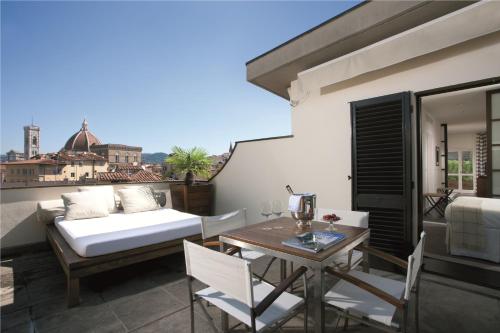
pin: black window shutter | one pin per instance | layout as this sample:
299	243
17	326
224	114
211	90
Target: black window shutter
381	169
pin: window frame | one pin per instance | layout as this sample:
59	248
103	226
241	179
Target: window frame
460	174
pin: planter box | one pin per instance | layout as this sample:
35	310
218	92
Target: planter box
194	199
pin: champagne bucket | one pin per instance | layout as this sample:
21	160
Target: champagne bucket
305	214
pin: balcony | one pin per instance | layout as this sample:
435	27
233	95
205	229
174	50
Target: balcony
152	296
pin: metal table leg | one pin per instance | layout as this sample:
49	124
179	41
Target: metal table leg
317	300
282	269
366	258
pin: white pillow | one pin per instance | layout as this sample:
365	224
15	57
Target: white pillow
137	199
107	193
84	205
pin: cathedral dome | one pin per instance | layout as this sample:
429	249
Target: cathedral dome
81	140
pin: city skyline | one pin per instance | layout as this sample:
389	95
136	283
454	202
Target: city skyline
143	73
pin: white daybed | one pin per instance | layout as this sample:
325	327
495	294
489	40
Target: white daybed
89	246
120	231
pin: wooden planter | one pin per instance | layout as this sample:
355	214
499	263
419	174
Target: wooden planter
195	199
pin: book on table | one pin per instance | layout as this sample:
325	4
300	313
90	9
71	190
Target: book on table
314	241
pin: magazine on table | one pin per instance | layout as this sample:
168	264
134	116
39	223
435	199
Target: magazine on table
314	241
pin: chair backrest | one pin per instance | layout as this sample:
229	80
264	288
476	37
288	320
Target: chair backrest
349	217
215	225
415	261
227	274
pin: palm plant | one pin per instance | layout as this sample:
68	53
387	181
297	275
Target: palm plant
194	161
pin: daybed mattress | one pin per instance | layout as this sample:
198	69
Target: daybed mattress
120	231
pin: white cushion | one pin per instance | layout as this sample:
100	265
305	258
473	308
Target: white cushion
358	302
282	306
120	231
48	210
138	199
84	205
250	254
107	192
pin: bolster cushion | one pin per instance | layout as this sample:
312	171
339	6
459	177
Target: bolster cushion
48	210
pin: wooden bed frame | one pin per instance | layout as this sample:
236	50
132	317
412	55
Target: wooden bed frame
76	267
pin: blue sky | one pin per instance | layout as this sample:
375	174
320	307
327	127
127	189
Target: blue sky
153	74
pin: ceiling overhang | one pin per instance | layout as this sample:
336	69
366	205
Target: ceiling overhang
354	29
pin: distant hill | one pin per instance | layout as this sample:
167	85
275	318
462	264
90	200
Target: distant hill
154	158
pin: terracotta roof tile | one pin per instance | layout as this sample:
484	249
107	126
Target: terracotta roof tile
113	177
145	176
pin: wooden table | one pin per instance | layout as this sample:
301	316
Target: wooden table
267	236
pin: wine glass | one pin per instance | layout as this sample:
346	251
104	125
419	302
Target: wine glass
277	210
266	209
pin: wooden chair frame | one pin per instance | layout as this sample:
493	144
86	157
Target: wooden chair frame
262	306
401	305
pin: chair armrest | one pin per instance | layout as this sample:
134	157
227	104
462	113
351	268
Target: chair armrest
387	257
273	295
368	287
211	243
230	251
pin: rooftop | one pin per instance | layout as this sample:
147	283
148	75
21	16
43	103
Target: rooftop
152	297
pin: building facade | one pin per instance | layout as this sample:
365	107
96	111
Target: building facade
31	141
118	154
13	155
55	167
442	50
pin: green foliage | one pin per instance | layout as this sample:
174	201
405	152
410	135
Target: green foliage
195	160
452	166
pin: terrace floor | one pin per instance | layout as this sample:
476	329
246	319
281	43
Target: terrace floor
152	297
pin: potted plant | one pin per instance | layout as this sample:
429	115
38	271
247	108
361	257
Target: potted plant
191	197
190	162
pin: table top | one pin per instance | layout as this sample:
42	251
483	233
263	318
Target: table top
270	234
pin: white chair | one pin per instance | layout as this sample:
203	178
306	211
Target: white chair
213	226
373	299
353	219
232	289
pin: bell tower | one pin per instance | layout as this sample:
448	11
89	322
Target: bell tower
31	141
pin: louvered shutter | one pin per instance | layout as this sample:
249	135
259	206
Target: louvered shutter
381	169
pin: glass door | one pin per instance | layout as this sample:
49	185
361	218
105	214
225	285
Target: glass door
493	122
461	171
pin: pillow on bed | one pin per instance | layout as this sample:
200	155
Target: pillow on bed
84	205
137	199
107	193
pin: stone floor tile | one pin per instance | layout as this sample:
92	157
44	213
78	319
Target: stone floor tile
15	318
84	318
178	322
143	308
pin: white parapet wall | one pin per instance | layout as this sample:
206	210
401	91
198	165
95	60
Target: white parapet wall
318	156
18	223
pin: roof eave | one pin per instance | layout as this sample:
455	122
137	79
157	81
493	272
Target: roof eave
362	25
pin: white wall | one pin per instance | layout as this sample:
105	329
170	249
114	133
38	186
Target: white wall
318	157
462	141
431	137
18	224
